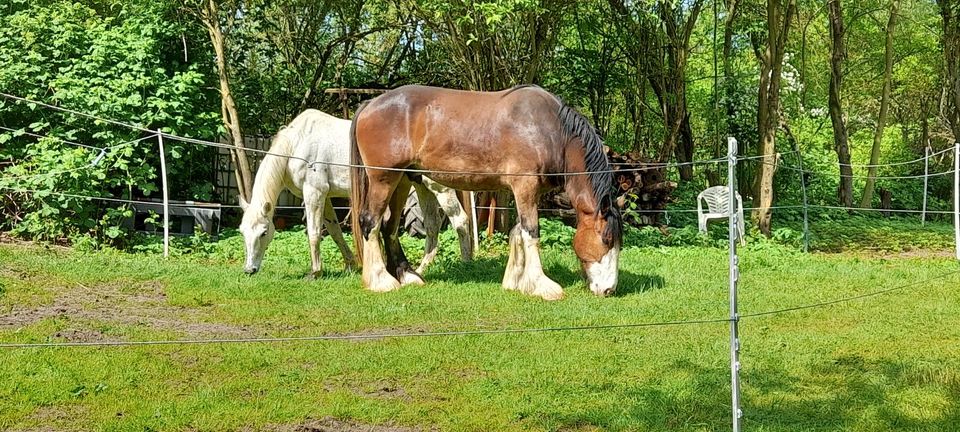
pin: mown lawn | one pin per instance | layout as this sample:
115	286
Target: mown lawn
888	362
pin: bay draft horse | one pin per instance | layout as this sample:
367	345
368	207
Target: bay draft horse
323	139
523	139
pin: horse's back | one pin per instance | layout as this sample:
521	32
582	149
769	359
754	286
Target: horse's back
514	130
325	140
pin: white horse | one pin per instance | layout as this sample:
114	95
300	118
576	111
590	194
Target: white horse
317	136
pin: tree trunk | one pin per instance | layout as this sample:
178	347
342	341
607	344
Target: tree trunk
660	50
210	16
678	33
950	13
685	147
840	142
886	201
771	64
867	200
745	174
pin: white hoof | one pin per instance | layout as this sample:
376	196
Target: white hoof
511	279
546	289
408	278
380	281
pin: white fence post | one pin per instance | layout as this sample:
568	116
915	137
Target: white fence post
476	223
806	212
956	197
926	173
166	197
734	275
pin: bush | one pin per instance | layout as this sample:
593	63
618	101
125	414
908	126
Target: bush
118	61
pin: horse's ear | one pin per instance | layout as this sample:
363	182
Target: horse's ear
243	203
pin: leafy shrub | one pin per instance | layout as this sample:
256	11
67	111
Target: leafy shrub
120	62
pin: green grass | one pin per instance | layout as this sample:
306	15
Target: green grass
889	362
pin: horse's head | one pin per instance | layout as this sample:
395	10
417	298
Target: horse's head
597	244
257	229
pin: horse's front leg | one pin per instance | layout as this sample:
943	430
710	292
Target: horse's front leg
333	227
374	273
532	280
447	199
396	260
313	202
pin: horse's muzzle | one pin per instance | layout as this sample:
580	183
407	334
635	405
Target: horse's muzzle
251	270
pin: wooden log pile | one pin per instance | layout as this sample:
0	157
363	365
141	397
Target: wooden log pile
642	187
642	190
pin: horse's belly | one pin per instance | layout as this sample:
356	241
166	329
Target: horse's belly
468	181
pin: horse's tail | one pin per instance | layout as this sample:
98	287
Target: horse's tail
359	184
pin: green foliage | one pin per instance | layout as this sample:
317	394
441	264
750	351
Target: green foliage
121	61
150	63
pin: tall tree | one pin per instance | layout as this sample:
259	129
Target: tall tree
950	40
840	141
867	199
780	13
208	12
729	86
490	45
668	57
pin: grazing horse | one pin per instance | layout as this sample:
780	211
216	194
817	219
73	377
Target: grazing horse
523	139
324	139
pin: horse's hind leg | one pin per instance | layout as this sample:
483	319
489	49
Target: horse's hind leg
375	275
313	203
397	261
447	198
515	262
333	227
431	224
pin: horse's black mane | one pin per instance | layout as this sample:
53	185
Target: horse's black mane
575	125
601	177
520	87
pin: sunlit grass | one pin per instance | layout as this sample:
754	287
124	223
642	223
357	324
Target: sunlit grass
889	362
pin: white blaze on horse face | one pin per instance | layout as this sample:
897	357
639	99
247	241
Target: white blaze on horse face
602	275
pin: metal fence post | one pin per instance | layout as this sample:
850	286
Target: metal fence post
956	196
734	275
926	173
803	188
166	197
475	223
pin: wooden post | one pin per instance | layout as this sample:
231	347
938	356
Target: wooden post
343	102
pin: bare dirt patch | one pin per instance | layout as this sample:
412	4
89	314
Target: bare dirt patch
330	424
139	304
385	390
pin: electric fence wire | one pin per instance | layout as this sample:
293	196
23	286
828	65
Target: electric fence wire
364	336
479	332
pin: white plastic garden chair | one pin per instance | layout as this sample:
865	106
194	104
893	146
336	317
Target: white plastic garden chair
718	203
